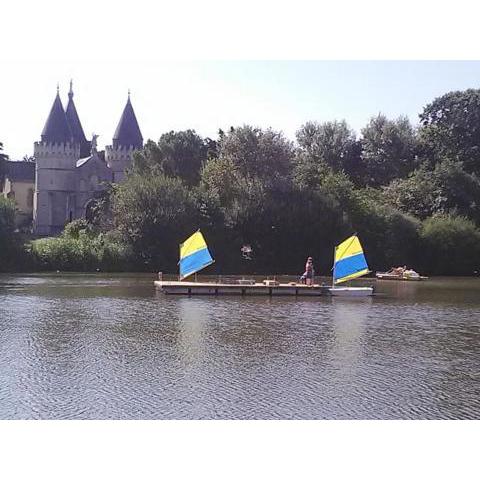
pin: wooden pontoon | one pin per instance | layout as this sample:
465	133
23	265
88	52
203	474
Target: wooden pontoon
266	288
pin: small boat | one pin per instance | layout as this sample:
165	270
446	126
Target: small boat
407	275
349	263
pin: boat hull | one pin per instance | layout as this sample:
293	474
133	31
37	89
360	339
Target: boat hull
402	278
351	291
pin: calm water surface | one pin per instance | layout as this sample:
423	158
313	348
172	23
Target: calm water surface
111	347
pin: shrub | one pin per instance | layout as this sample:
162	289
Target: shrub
450	245
81	248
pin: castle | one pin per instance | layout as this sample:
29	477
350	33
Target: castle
69	171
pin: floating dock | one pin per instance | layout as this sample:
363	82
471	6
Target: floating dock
266	288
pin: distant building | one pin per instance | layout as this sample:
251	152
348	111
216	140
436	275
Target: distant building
69	172
19	185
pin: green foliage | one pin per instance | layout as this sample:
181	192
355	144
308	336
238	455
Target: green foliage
153	213
281	225
326	146
7	217
12	254
448	188
226	190
286	205
451	129
450	245
7	227
388	149
265	154
246	197
99	211
177	154
81	248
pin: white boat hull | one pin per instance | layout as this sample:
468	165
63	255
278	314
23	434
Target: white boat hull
405	278
351	291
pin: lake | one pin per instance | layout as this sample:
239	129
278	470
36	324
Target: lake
79	346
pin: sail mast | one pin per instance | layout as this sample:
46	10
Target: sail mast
333	274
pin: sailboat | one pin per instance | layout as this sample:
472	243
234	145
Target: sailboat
349	263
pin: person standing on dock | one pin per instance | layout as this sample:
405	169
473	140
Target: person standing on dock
309	273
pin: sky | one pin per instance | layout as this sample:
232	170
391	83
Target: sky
208	95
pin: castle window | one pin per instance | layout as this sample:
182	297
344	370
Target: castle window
30	198
93	182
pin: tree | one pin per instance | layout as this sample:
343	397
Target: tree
239	192
324	146
3	159
177	154
99	209
154	213
266	154
451	129
388	149
448	188
7	228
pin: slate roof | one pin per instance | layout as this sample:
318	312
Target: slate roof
128	132
76	126
20	171
57	129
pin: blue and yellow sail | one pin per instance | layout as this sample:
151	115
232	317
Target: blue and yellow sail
349	261
194	255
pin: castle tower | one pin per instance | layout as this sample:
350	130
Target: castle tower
76	126
56	155
126	140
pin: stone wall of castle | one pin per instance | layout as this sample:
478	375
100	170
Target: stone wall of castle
118	160
54	201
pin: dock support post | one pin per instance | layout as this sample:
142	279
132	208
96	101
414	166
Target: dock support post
160	276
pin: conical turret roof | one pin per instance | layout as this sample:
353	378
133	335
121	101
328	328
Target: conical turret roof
76	126
128	132
57	129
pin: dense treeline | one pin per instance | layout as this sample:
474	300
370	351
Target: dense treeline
411	193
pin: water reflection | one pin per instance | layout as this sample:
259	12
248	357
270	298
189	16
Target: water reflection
192	323
349	317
